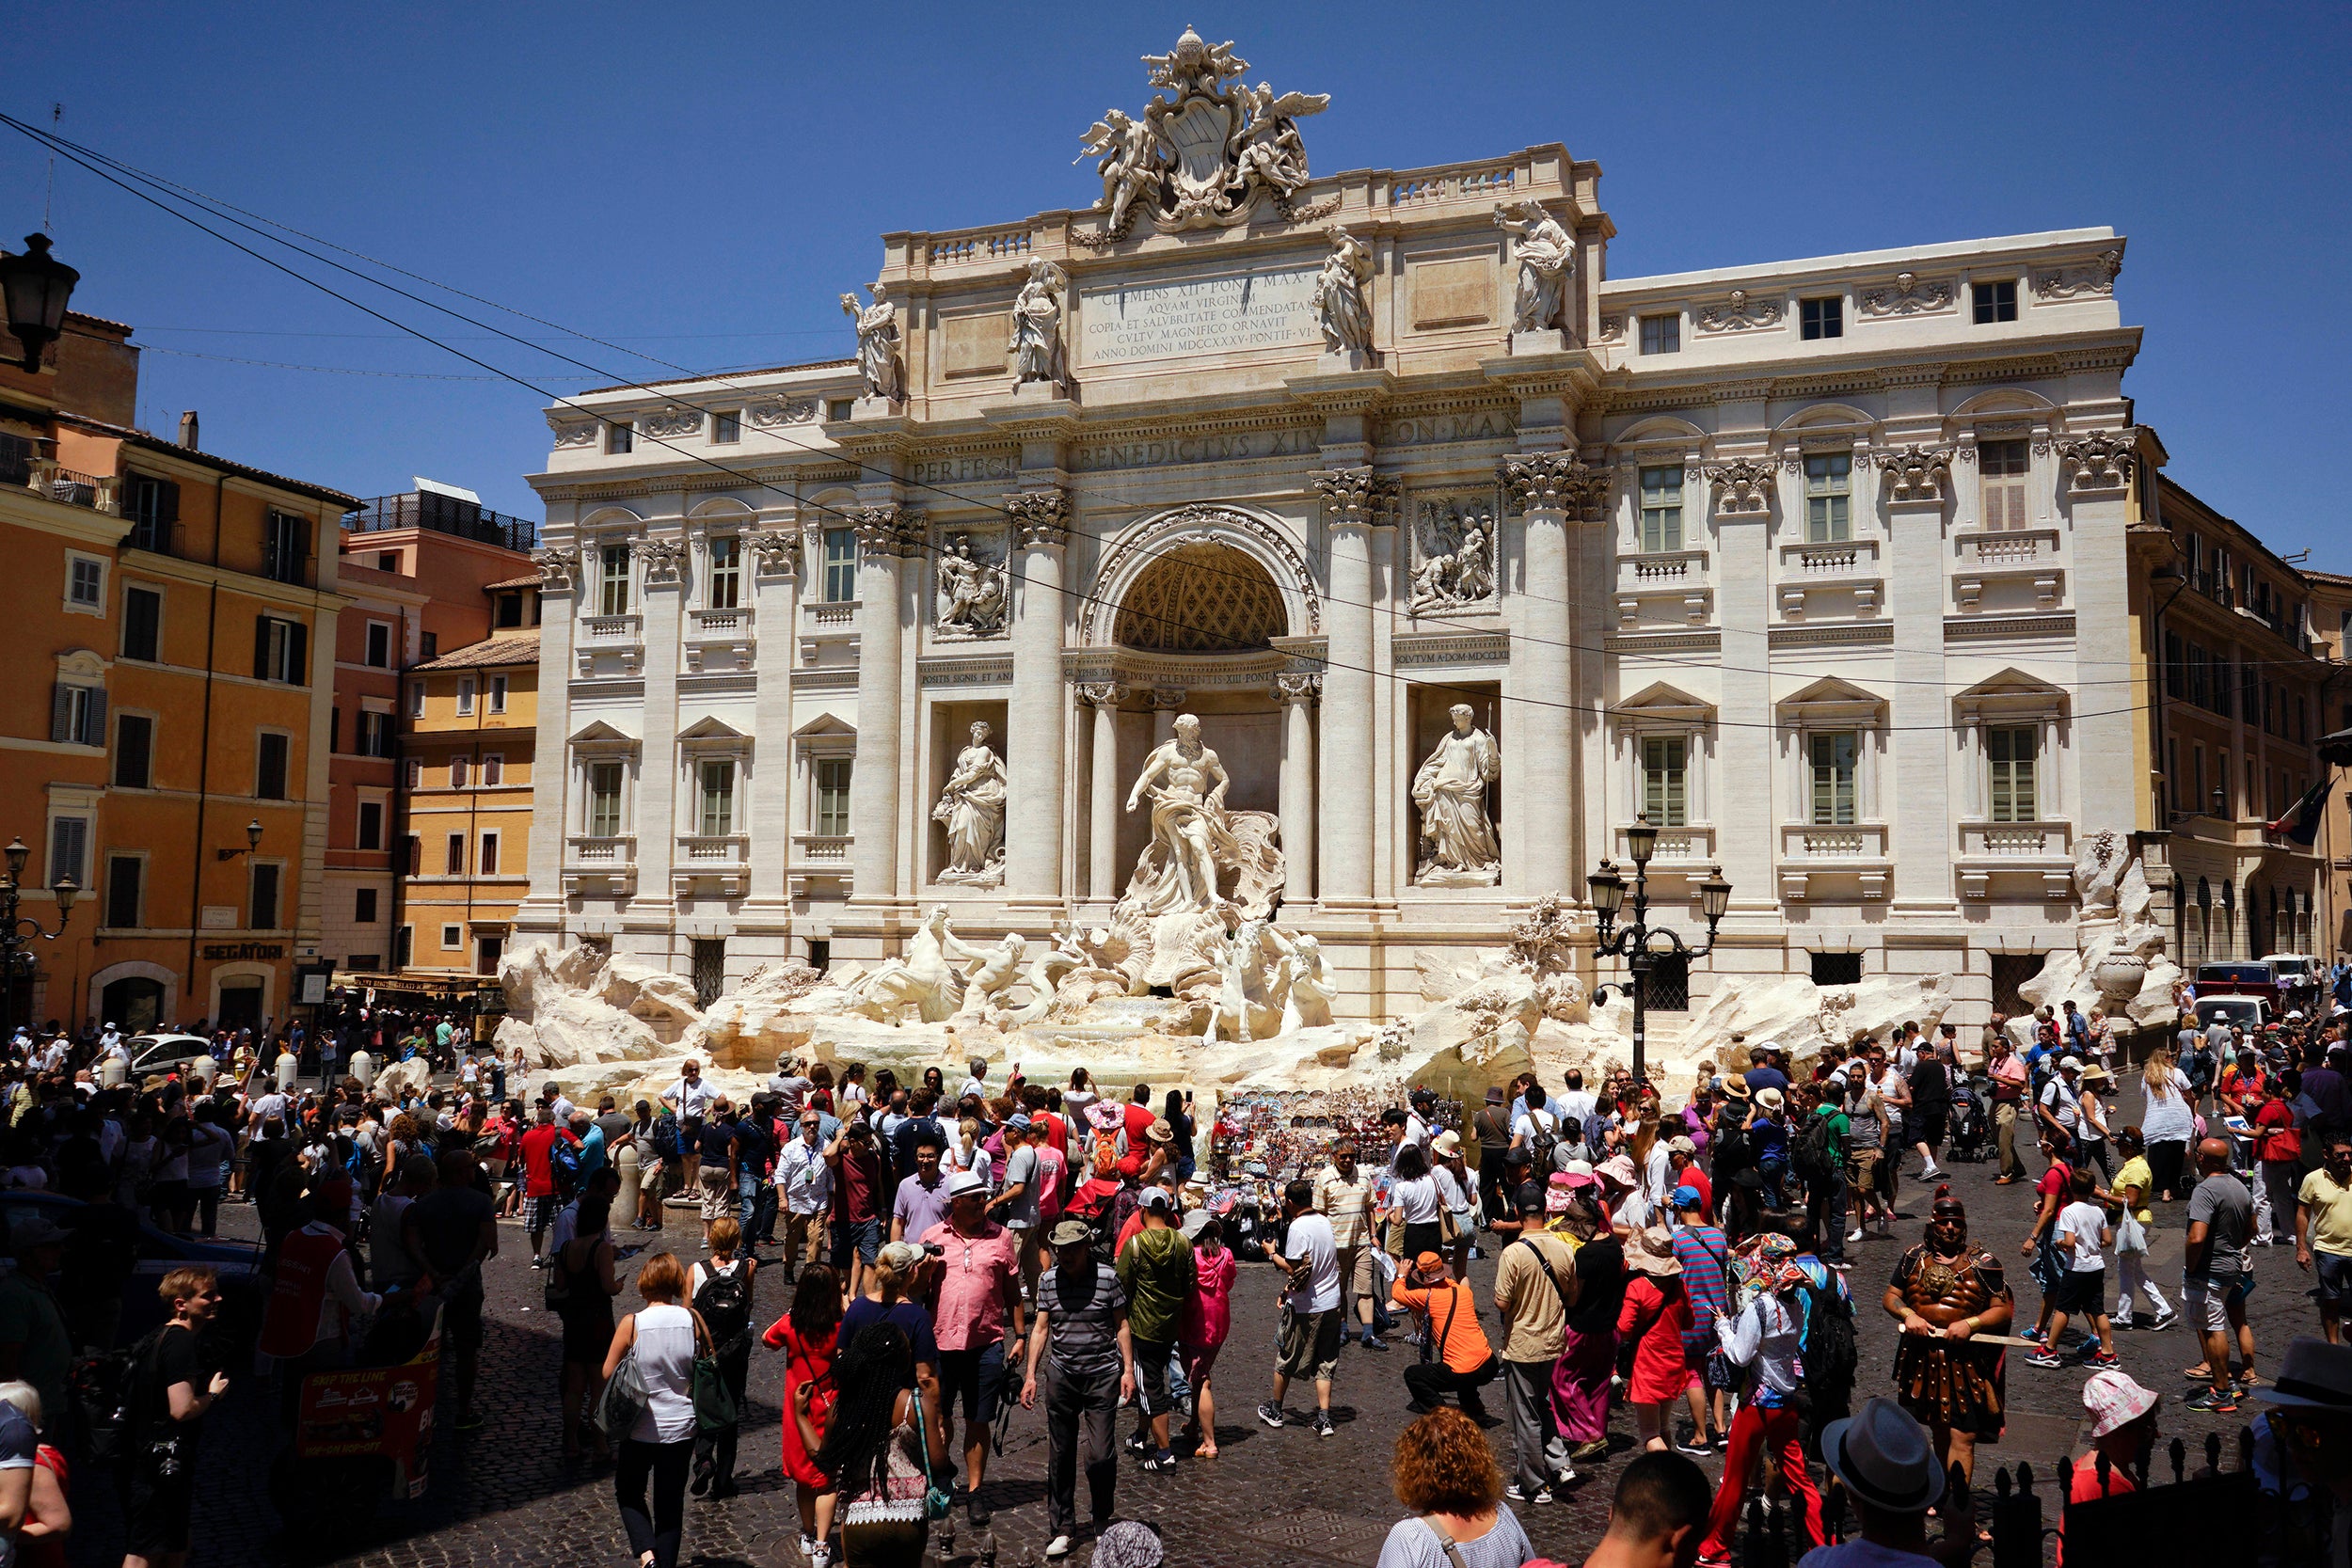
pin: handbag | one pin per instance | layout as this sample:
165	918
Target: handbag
1449	1228
624	1397
937	1500
2131	1236
715	1409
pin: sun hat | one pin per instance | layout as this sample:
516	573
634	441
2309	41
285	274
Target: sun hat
1447	1142
1736	1087
1069	1233
1160	1131
1429	1265
1885	1457
2115	1400
1105	1116
1617	1168
966	1182
1494	1094
2315	1375
1770	1097
1651	1251
1576	1173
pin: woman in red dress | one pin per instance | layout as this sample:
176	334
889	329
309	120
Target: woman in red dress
808	1335
1656	1316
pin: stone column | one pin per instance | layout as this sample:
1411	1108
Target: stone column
1038	716
2096	478
885	535
1748	760
1355	501
1103	803
775	565
662	568
551	754
1548	489
1296	797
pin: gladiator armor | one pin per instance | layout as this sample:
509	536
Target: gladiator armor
1955	1384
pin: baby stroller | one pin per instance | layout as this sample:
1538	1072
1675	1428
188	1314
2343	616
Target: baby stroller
1971	1138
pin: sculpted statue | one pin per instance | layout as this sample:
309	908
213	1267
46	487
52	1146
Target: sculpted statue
1456	557
1185	783
2100	862
1132	164
927	979
1267	147
877	343
1458	840
998	968
1546	257
972	803
1305	987
1341	309
971	593
1036	311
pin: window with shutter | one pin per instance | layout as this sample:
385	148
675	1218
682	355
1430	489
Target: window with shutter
370	825
1832	766
125	874
487	864
2009	752
69	847
134	750
286	547
269	766
1665	801
493	769
457	772
455	861
264	906
142	622
1828	498
2001	480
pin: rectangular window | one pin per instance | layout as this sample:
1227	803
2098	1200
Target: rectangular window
404	946
270	752
727	572
152	505
498	693
388	560
2001	482
286	547
1662	507
510	610
465	697
335	730
452	938
280	650
263	907
1828	498
620	436
429	645
1661	334
453	857
371	824
840	408
415	857
493	769
458	772
69	850
1664	796
415	774
833	797
142	622
1993	302
416	699
84	583
604	800
718	798
1832	766
487	863
124	875
363	907
726	427
612	586
77	714
2011	752
379	646
135	752
1821	318
1836	969
375	735
840	566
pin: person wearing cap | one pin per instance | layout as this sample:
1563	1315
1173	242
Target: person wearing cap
1460	1360
972	1292
2059	1105
1768	1136
1535	1286
1454	1196
2091	1130
1015	1202
1079	1339
1684	1170
1880	1455
2122	1416
1156	1269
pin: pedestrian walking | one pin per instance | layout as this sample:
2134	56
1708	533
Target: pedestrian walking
1533	1291
1344	1198
1080	1342
721	1290
976	1309
1158	1273
657	1450
2215	1274
581	1292
2167	1122
170	1395
2132	1186
1766	1337
2005	1071
1309	1342
2082	1236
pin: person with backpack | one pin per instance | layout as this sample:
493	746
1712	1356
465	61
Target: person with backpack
1537	1129
1818	1157
1703	1254
1766	1127
721	1290
1944	1293
170	1395
1764	1337
972	1295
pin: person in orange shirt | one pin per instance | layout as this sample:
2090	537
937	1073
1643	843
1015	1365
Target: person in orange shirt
1463	1362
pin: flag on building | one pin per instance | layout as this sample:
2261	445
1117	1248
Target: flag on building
2301	821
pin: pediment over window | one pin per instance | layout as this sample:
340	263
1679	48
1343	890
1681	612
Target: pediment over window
1831	700
1659	703
826	727
712	728
597	736
2010	694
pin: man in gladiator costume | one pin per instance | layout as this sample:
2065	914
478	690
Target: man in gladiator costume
1945	1293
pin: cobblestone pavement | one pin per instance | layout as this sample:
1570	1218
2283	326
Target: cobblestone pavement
500	1496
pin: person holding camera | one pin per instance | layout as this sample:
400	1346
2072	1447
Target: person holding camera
170	1394
975	1288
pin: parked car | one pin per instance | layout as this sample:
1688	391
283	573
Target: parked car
2237	977
2250	1013
159	1252
2298	978
161	1053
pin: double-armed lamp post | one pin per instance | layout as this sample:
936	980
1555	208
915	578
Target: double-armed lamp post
17	933
1638	942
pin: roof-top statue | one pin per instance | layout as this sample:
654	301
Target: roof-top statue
1204	151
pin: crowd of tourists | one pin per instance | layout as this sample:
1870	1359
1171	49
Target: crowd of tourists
948	1255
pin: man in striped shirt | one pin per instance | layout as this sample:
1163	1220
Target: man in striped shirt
1701	1249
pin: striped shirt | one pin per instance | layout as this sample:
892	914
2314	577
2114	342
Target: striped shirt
1700	1249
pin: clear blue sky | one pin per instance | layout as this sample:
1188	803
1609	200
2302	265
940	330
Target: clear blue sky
703	180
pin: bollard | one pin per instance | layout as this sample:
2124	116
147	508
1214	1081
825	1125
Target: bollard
286	1065
111	1073
363	1068
625	1201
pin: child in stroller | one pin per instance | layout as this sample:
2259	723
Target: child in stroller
1972	1123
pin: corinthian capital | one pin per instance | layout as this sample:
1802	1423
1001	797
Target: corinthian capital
2101	461
1555	482
1040	517
775	552
1744	488
1102	693
662	558
1297	687
891	529
558	567
1357	496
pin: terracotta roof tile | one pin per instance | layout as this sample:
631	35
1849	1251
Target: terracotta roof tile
518	649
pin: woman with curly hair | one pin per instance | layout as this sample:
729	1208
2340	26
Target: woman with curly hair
873	1452
1446	1474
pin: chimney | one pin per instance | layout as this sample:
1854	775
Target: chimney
187	430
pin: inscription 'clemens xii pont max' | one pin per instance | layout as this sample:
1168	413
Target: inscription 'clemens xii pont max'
1201	315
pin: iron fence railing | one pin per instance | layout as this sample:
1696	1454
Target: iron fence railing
450	515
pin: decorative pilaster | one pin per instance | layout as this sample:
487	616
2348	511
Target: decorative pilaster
1355	501
1103	697
661	566
1916	476
551	760
1295	800
2096	508
775	556
2099	462
1038	716
886	535
1547	489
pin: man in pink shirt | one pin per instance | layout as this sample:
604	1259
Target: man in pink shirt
976	1288
2007	1072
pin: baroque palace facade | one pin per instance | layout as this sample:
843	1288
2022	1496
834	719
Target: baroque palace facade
1821	565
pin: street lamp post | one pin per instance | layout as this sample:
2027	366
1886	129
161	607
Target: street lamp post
1634	942
18	931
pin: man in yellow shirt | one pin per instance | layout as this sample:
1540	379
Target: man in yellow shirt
1344	1196
2322	1233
